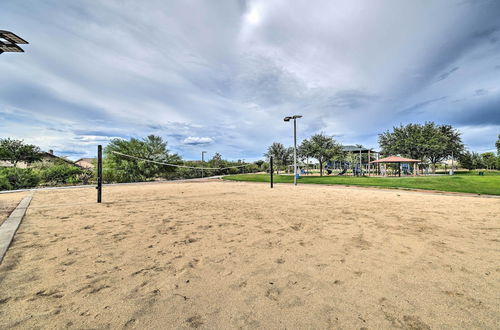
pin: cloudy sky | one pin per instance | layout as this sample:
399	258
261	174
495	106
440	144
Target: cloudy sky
221	75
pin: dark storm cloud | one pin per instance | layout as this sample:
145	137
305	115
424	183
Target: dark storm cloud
487	112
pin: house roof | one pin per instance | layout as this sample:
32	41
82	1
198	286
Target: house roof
48	154
90	160
396	159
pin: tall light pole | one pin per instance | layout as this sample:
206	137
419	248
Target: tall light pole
295	117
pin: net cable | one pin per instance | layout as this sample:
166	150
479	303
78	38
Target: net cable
176	165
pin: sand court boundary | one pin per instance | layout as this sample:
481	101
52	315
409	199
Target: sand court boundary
9	228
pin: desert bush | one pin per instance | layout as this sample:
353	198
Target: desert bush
4	183
61	174
18	178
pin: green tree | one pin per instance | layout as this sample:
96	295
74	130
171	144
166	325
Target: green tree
489	160
216	161
288	159
498	145
127	169
16	151
304	150
321	147
465	160
426	142
471	160
281	155
477	161
448	142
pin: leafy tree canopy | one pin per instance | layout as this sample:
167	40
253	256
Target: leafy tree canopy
152	147
322	147
16	151
216	160
489	160
282	156
426	142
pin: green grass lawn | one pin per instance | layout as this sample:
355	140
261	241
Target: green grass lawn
489	184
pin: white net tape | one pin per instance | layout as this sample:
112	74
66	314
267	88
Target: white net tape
175	165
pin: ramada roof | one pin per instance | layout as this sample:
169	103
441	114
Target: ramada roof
396	159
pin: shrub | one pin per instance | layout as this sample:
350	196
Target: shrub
18	178
85	177
61	174
4	183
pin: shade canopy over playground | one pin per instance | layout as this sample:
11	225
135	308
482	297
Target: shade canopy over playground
357	149
396	159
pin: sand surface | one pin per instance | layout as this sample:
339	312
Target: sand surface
227	255
8	202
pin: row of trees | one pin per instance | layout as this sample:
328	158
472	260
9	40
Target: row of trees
488	160
116	167
428	142
435	143
474	160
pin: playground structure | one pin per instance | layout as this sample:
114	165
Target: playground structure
358	161
361	161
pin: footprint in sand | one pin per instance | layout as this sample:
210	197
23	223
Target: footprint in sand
273	293
245	321
68	263
194	321
50	293
130	323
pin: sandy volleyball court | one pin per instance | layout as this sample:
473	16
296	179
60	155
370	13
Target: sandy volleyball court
224	255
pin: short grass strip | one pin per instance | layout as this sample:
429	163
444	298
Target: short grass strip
489	184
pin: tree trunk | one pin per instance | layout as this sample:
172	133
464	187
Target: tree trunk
320	168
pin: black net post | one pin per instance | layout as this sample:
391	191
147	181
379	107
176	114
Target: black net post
99	173
271	169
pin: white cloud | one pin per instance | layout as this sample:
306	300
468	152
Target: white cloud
194	140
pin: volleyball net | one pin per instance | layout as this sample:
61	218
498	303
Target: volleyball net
122	167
